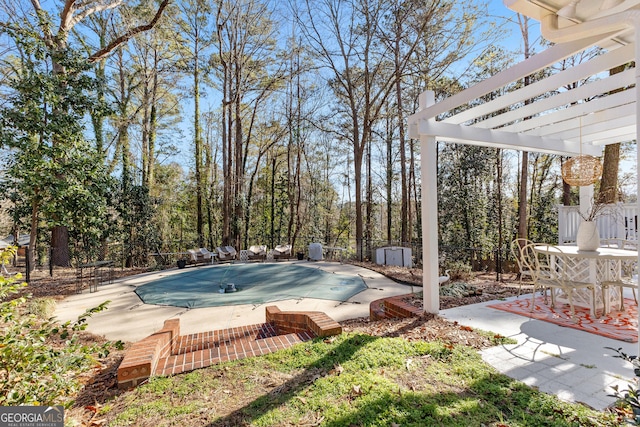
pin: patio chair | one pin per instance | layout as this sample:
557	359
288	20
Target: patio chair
516	252
226	253
628	277
232	251
193	256
282	251
200	255
258	252
204	255
549	273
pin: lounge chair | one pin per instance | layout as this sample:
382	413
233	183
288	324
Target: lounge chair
232	251
258	252
197	256
282	251
226	253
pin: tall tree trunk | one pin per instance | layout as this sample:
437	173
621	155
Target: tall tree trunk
389	177
239	171
60	255
153	126
500	213
611	163
33	234
146	109
198	150
357	182
368	230
272	219
522	197
226	156
524	167
404	193
566	188
609	181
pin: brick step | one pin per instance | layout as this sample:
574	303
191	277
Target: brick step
166	352
224	338
185	362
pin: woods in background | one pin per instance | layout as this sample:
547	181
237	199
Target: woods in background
206	123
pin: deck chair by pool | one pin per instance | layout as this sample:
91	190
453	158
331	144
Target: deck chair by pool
197	256
282	251
226	253
258	252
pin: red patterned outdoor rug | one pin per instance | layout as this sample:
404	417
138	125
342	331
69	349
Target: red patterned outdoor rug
619	325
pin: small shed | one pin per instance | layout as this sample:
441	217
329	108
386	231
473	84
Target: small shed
315	251
393	255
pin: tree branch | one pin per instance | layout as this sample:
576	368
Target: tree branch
46	31
105	51
91	10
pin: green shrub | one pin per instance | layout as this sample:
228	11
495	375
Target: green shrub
40	360
42	308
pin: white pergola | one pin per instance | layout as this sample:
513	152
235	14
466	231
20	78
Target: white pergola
543	116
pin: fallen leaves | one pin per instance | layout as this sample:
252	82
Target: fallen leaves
425	328
356	390
337	370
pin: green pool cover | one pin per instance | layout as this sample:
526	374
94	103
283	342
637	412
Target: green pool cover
255	284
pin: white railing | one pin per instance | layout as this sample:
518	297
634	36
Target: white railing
619	221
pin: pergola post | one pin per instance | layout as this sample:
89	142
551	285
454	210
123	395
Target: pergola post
430	273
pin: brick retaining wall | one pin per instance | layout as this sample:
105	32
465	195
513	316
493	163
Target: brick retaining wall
393	307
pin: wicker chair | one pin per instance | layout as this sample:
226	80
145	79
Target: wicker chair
548	273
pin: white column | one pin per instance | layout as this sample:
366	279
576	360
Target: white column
429	176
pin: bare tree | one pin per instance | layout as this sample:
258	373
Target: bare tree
343	36
196	28
247	71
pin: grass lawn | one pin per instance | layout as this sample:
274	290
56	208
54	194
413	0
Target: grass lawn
349	380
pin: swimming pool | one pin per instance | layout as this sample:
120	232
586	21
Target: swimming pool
256	283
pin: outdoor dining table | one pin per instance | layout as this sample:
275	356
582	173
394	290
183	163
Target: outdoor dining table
603	264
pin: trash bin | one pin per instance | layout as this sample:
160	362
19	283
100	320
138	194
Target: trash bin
315	251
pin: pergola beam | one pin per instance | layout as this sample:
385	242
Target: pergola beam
507	140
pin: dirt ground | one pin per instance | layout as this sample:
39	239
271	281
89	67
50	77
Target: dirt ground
101	384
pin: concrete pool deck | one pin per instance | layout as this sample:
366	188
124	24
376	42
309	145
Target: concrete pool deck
129	319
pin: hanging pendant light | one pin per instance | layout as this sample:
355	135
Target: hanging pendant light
581	170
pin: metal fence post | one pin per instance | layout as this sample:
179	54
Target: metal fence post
27	263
